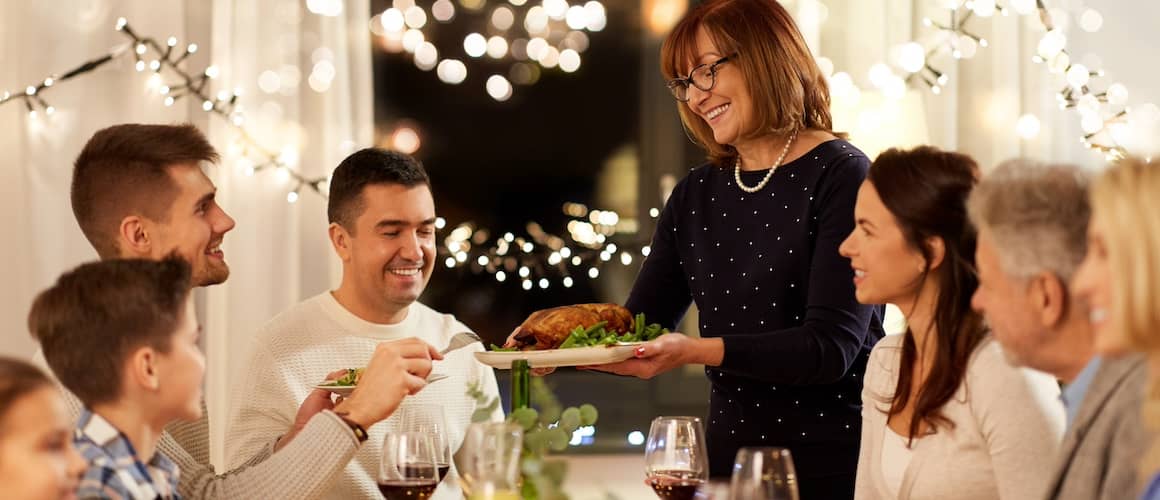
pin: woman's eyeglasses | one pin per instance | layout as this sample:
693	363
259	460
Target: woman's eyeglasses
704	77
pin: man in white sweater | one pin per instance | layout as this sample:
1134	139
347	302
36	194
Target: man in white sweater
382	225
1032	222
138	191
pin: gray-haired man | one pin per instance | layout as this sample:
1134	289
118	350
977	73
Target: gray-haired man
1032	221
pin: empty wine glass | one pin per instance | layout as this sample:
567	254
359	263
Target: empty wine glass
712	490
764	474
408	468
675	459
429	420
490	464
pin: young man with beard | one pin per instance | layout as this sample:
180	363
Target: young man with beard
1032	222
382	225
138	191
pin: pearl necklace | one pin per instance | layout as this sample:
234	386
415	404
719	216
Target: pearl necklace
754	189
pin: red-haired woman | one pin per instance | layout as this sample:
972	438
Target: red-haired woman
752	238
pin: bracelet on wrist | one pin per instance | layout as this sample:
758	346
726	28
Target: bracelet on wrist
359	431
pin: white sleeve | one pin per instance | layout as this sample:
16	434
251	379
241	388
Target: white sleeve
262	408
863	482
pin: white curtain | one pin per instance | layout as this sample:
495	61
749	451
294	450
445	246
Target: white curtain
978	109
278	252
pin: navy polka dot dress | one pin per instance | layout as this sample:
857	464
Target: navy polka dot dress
765	273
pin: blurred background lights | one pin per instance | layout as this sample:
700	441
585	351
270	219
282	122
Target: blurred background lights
405	140
499	88
415	17
497	47
328	8
392	20
556	9
536	20
1091	21
569	60
451	71
475	45
426	56
502	18
1027	126
412	39
443	11
596	16
576	17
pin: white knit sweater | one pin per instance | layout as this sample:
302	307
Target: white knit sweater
299	347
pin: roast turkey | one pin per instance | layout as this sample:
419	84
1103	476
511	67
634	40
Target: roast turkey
548	328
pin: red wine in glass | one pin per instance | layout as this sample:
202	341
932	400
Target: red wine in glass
407	489
675	484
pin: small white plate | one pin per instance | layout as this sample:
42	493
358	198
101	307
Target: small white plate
341	390
552	358
346	390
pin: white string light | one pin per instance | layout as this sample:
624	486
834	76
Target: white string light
1104	116
539	258
187	84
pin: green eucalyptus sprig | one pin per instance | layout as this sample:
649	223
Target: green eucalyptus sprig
547	427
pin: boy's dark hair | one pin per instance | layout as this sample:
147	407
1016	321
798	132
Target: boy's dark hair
370	166
94	316
123	170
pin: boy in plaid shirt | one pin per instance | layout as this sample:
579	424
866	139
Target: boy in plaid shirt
123	336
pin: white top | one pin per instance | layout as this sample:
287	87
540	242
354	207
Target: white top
1007	422
299	347
895	459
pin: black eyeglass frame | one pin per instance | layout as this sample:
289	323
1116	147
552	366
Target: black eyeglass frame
679	86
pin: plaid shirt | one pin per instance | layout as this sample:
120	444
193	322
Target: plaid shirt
114	471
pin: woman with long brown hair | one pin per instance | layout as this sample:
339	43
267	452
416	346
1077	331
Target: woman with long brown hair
944	415
37	458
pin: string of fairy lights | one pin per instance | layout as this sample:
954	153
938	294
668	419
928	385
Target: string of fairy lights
539	260
1104	115
595	238
171	78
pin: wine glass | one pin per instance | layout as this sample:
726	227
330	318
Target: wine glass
764	474
408	468
490	465
713	490
675	459
432	421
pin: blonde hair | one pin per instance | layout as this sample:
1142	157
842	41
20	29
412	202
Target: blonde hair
788	90
1126	204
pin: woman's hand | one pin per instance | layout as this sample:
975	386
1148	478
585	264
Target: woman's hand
665	353
511	342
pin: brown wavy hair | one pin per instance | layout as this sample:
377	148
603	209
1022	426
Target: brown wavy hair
18	379
926	190
788	89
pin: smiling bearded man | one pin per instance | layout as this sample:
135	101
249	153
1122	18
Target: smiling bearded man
382	225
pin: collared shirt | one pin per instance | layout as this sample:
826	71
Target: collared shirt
115	472
1073	393
1152	492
